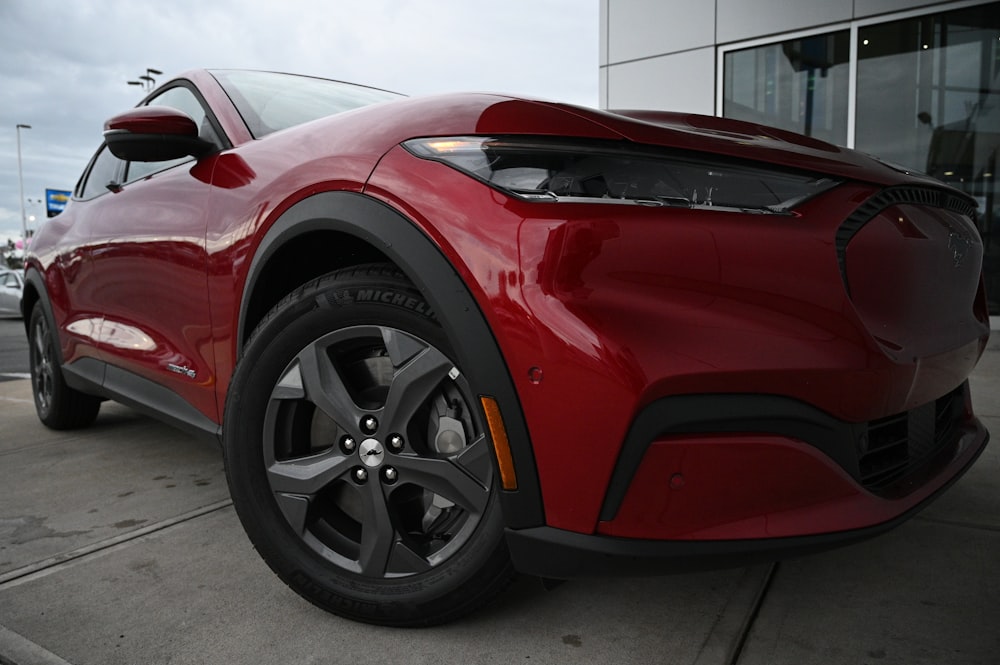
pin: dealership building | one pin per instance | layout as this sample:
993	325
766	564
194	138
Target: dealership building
916	83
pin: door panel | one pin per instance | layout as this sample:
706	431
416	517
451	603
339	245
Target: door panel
149	274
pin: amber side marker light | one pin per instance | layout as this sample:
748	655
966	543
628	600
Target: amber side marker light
500	443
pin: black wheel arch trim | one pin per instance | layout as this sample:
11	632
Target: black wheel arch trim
420	259
34	279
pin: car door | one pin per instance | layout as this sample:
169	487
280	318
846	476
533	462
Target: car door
149	268
76	305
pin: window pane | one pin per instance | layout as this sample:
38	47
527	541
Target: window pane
799	85
269	101
929	99
103	171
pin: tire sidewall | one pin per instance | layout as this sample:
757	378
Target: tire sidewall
44	412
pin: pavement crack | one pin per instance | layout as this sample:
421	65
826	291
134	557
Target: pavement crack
751	618
957	523
59	561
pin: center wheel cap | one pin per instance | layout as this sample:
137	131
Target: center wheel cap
371	452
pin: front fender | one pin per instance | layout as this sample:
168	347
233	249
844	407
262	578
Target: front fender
413	252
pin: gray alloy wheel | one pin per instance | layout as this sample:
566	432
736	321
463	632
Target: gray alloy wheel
372	454
58	406
357	456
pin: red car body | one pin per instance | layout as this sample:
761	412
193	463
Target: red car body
680	385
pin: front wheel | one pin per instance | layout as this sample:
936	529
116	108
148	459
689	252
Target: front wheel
357	457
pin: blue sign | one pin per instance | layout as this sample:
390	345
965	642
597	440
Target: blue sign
55	201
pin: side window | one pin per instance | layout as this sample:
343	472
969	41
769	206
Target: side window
103	171
182	99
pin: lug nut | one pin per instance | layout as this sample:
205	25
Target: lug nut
395	443
389	475
348	445
360	476
369	424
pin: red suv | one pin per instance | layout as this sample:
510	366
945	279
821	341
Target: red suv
445	339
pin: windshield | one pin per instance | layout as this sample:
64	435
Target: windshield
269	101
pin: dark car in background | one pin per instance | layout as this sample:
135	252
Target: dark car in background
447	339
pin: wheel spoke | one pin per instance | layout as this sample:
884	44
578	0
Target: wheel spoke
419	370
405	559
309	475
445	478
325	388
40	341
475	459
295	509
377	533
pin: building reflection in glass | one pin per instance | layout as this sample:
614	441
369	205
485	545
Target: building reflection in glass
927	98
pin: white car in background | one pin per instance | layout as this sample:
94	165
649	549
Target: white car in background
11	288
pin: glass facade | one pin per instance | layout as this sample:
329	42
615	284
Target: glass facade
927	97
799	85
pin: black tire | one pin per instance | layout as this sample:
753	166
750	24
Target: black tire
58	406
396	532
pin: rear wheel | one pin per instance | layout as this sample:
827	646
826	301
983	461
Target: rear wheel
357	457
58	406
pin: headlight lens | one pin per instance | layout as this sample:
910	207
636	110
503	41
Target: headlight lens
540	169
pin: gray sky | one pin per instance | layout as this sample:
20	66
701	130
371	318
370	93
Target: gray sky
64	65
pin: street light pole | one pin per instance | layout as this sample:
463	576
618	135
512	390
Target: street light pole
20	182
146	82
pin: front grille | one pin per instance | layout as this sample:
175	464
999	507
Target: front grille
906	194
895	447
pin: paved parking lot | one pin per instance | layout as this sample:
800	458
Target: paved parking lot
119	544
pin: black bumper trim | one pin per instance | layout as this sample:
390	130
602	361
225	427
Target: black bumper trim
560	554
732	413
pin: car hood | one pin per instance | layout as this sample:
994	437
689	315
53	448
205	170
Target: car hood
746	140
380	127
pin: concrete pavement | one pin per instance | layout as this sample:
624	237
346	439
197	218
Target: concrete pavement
118	544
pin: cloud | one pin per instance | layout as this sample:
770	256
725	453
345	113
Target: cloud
64	66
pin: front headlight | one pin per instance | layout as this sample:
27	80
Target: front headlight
543	169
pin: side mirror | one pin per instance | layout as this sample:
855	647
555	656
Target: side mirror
154	134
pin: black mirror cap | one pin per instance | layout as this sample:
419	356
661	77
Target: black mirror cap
154	147
154	134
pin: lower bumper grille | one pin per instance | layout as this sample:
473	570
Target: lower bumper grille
897	446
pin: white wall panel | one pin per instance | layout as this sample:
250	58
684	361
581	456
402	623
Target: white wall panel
750	19
644	28
602	89
863	8
678	82
603	57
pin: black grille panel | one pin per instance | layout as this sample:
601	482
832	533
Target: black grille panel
925	196
896	446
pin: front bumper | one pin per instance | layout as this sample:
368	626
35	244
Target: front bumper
739	516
